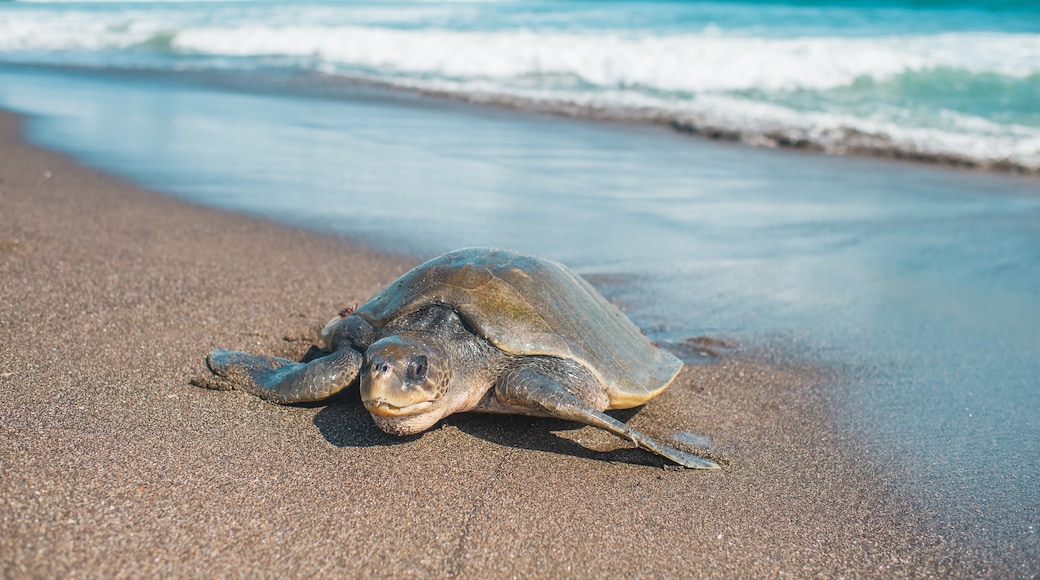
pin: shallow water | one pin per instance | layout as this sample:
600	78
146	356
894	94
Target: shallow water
919	283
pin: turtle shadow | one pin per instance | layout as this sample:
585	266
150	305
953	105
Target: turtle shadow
344	422
540	434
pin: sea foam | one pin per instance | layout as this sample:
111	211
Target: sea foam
705	61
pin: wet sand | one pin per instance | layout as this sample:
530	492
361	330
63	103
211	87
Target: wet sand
112	464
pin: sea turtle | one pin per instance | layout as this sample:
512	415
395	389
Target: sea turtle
482	330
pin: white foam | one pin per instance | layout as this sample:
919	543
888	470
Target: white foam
708	60
67	31
705	61
968	139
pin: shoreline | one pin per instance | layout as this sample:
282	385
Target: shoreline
116	465
861	145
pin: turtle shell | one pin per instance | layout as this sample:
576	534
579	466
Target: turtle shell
526	305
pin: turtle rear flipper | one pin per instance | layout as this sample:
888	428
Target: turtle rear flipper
527	387
282	381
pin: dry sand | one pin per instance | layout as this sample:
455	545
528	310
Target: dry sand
111	464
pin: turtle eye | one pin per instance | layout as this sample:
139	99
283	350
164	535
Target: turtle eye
418	368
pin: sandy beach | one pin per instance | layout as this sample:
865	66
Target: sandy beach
113	465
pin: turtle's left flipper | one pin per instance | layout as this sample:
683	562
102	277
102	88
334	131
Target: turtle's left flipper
526	387
282	381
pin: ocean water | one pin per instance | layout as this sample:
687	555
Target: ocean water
918	282
953	81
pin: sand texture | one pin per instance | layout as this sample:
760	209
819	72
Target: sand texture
113	465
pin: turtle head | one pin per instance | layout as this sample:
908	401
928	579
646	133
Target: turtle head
404	381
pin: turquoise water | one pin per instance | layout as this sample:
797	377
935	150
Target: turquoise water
949	81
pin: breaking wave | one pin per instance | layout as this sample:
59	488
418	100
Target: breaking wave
958	97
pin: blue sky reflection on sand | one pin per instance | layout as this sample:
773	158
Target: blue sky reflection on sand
921	282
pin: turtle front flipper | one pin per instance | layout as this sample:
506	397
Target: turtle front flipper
282	381
527	387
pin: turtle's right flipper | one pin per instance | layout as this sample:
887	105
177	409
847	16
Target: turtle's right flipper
282	381
526	387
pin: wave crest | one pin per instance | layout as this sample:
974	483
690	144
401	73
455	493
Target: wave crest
679	63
